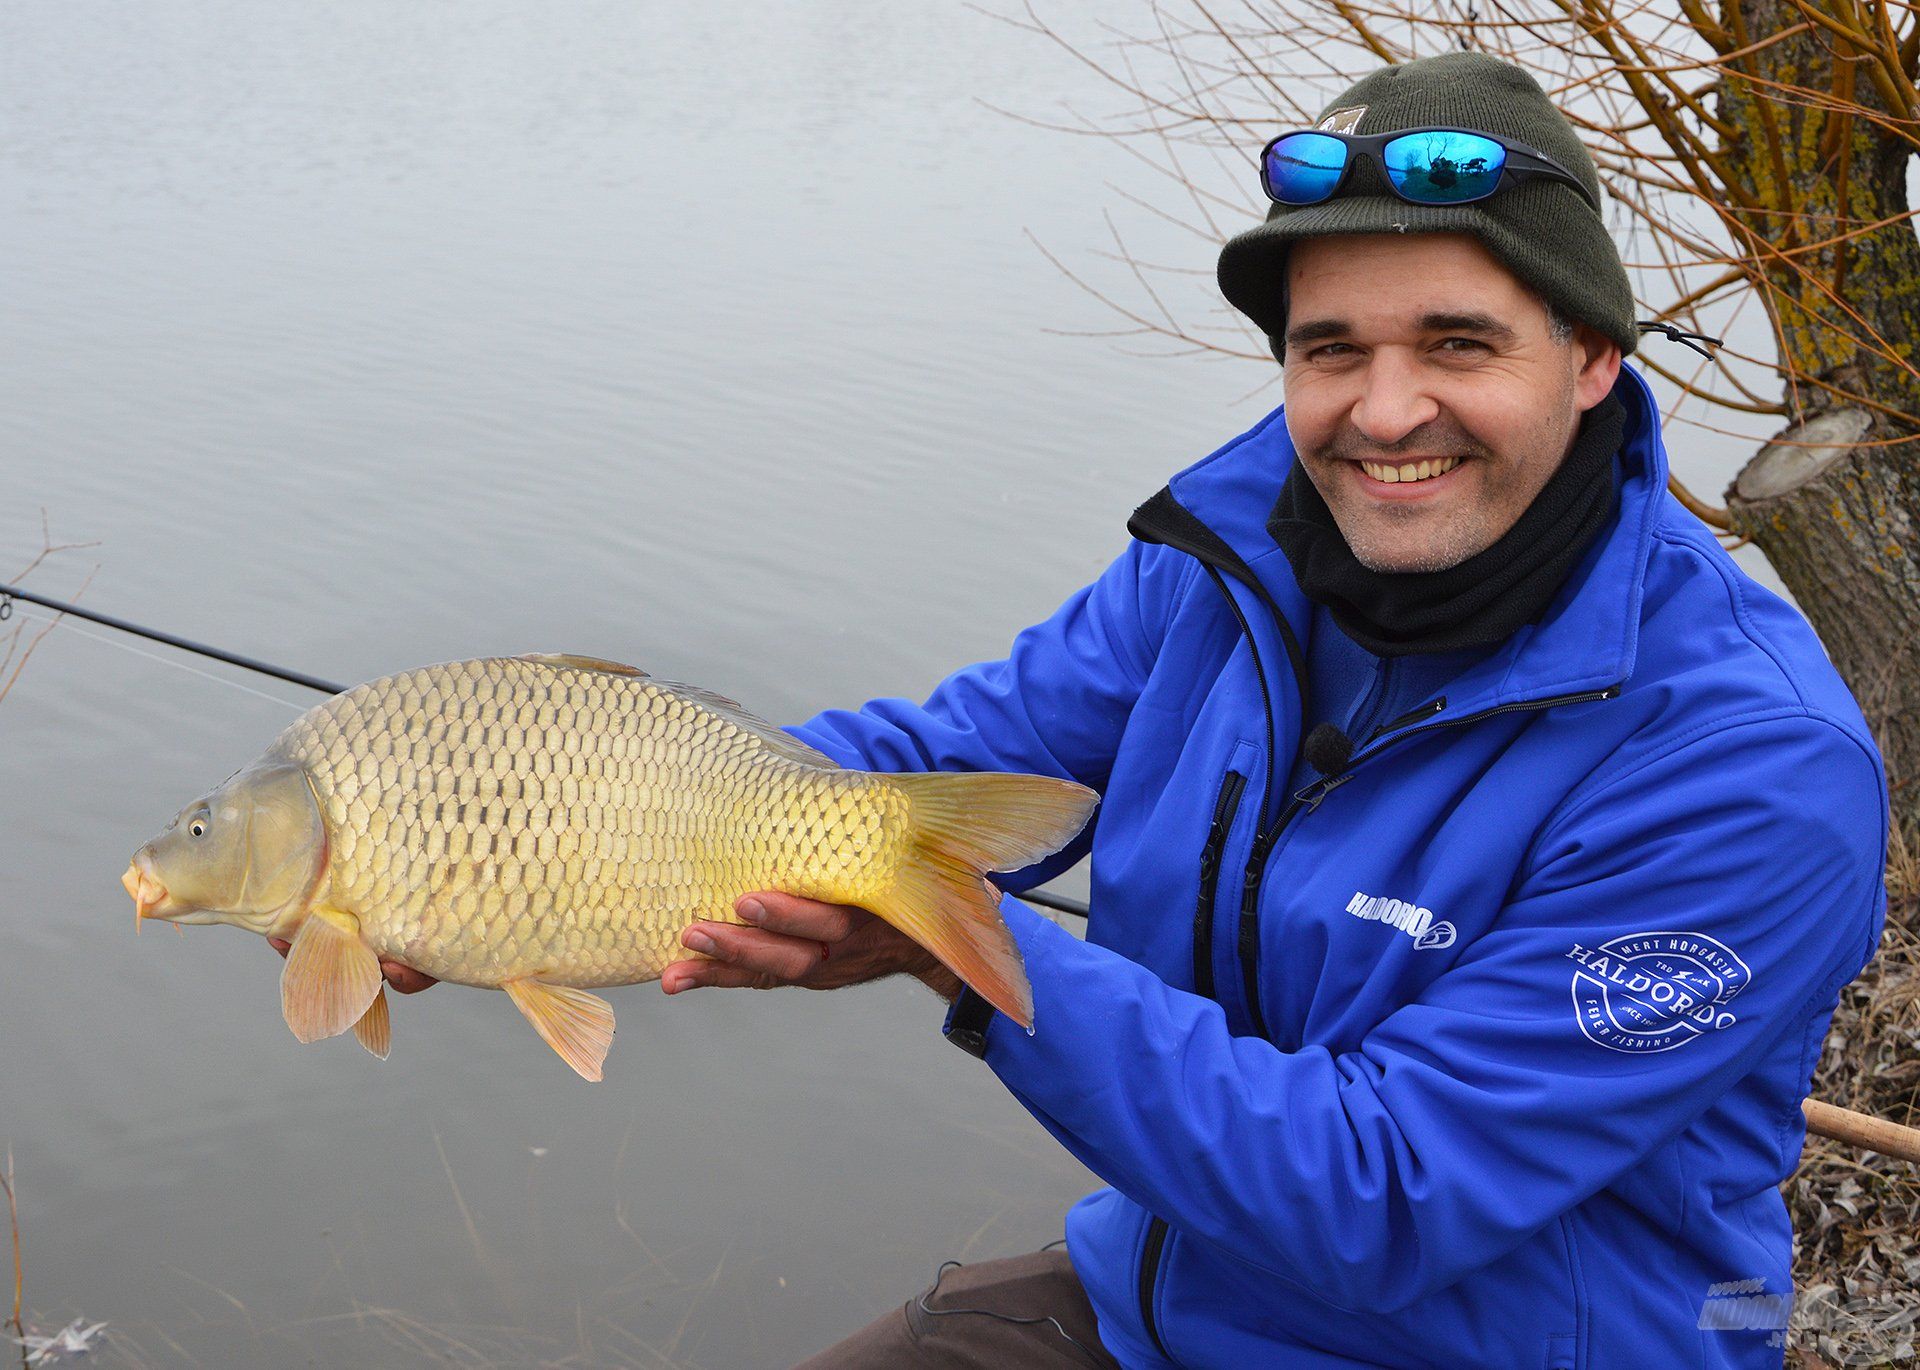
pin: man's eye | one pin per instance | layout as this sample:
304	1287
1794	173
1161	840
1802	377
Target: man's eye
1329	351
1462	345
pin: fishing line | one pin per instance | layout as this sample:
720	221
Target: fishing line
941	1274
155	656
9	593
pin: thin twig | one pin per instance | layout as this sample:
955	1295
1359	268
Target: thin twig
19	1271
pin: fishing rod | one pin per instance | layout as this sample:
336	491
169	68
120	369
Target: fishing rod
9	593
1842	1124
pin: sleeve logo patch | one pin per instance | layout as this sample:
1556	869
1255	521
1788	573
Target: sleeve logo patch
1654	991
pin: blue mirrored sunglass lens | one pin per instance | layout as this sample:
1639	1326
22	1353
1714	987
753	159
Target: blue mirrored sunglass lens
1444	168
1303	168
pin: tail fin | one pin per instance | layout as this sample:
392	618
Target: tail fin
964	825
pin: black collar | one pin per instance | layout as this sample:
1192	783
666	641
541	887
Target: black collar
1485	598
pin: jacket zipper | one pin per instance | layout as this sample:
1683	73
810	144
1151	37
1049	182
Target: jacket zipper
1203	918
1250	879
1310	797
1427	710
1266	836
1249	941
1225	809
1149	1278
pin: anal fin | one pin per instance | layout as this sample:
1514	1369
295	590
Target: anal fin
574	1023
331	977
374	1031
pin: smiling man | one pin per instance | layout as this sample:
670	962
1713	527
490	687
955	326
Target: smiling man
1481	852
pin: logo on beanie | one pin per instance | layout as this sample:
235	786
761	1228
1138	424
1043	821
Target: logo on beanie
1342	120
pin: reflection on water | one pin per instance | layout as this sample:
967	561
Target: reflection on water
360	336
366	335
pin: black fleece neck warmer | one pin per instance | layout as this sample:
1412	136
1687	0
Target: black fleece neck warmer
1487	596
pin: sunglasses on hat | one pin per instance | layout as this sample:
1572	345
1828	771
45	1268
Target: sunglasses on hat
1424	166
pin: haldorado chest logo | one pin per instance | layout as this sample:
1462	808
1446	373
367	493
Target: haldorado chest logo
1427	932
1653	991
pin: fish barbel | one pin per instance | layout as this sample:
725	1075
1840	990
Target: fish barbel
549	824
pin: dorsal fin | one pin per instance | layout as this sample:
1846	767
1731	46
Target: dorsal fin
776	739
573	661
772	737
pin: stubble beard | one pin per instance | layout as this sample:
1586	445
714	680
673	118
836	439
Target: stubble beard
1377	533
1444	547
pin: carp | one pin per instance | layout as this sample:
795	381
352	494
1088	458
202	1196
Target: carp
550	824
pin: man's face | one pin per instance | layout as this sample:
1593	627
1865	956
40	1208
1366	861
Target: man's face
1426	395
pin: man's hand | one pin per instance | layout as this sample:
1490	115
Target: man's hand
794	941
404	979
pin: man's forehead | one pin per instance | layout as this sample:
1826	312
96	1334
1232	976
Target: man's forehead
1412	257
1425	281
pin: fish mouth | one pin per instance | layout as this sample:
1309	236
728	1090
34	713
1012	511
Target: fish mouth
149	894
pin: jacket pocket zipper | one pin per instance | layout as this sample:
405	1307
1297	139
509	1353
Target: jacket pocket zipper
1309	799
1232	786
1150	1279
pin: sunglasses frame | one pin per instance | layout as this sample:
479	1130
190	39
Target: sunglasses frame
1533	164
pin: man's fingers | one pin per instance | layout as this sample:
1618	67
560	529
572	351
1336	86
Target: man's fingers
405	979
797	942
685	975
787	960
793	916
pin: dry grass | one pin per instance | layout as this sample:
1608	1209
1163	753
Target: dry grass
1856	1263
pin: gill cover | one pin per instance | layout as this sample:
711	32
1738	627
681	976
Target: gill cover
244	854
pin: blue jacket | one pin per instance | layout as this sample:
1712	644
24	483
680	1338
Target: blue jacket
1488	1050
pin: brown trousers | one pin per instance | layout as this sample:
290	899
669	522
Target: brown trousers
996	1315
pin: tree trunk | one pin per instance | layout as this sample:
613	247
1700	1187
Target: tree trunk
1838	522
1834	499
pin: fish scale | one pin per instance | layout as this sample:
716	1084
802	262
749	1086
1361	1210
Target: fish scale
502	818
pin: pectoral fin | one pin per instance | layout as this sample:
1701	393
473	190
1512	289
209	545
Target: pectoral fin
574	1023
331	977
373	1031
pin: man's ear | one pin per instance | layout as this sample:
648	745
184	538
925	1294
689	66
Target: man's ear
1598	358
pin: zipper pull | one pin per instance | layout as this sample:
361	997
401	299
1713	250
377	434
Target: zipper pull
1256	861
1210	857
1224	809
1311	796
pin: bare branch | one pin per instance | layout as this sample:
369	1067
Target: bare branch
13	1226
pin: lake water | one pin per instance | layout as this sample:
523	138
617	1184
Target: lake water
361	335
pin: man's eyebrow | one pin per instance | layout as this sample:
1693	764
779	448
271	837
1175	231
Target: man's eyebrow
1438	321
1301	334
1471	322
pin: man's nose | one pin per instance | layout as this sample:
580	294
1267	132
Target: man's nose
1393	401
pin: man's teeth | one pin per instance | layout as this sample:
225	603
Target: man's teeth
1413	470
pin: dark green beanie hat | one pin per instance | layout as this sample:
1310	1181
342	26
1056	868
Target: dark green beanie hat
1541	230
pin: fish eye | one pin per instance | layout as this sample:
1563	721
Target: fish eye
198	827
